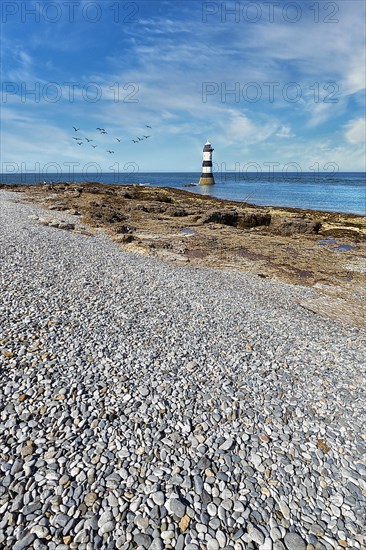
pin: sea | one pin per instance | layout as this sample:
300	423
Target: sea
336	192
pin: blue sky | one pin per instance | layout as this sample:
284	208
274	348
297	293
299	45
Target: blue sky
296	72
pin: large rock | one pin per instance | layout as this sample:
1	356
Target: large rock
155	208
114	217
123	229
243	220
124	238
66	225
291	226
253	219
176	211
226	217
162	197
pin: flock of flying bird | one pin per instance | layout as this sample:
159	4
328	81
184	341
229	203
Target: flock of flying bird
80	141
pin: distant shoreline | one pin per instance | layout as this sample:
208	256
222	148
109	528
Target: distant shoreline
189	188
341	192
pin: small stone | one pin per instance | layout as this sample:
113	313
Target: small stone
316	530
82	537
198	484
275	534
107	527
227	444
40	531
16	467
255	535
90	498
284	509
141	539
221	538
62	519
24	542
144	391
157	544
105	518
204	463
180	543
184	523
190	366
211	509
167	535
158	498
267	544
255	459
227	504
27	450
321	444
177	507
293	541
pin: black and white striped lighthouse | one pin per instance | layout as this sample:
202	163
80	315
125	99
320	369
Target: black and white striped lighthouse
207	175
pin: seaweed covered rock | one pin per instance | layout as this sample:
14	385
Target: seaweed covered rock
291	226
253	219
225	217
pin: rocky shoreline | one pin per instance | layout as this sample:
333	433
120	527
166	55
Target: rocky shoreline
146	405
323	250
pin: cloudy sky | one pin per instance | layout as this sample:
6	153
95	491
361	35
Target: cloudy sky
266	82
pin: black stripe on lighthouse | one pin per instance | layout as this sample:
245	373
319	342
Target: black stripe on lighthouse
207	163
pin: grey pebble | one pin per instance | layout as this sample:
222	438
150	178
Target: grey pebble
293	541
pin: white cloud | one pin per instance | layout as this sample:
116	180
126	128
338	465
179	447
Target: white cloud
285	132
356	131
237	128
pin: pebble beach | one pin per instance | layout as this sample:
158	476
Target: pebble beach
146	405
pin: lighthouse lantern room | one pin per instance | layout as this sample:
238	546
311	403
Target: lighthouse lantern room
206	175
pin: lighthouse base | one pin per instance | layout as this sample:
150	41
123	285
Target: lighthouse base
207	180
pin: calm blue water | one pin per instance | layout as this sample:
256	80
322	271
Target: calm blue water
341	192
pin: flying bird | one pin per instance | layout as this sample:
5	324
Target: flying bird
118	139
134	141
110	152
76	129
94	146
146	137
98	129
148	126
79	142
77	139
88	140
140	139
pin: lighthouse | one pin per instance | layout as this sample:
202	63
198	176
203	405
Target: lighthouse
206	175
